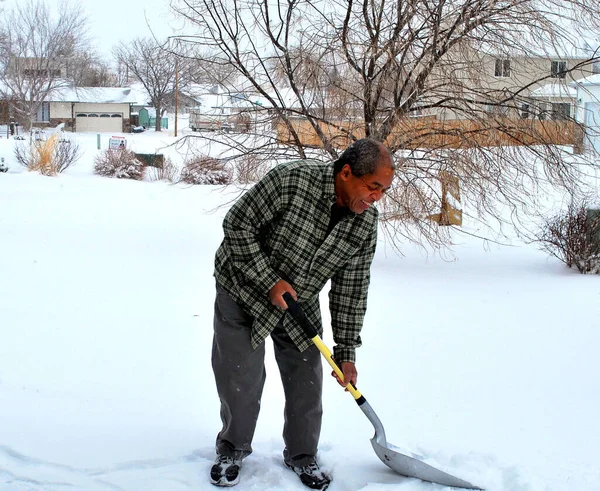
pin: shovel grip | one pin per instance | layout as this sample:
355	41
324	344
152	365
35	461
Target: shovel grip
299	315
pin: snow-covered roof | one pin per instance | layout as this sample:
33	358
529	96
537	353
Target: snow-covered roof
555	90
520	43
97	95
139	95
591	80
214	96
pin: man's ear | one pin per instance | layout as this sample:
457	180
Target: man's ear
346	172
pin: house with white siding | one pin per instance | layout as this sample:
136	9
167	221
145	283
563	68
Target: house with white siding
588	109
88	109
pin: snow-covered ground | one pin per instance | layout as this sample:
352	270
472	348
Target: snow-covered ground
486	364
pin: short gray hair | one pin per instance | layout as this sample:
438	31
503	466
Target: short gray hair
363	157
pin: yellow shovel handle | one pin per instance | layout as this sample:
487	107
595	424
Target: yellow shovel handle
329	357
298	314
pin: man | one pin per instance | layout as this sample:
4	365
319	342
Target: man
306	222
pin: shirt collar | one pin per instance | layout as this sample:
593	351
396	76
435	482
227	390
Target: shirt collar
329	184
329	188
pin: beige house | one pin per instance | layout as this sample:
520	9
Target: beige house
31	67
541	83
88	109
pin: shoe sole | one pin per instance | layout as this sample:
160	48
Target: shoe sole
322	488
224	483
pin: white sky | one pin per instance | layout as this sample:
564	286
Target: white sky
112	21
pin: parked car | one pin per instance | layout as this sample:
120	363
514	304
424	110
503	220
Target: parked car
3	166
210	119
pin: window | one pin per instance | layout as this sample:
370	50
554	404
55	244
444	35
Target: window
497	109
41	72
524	112
43	113
416	112
502	68
596	67
561	111
558	69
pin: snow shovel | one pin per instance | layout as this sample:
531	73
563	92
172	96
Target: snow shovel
400	460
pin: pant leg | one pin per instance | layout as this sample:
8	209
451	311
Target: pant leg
302	379
239	374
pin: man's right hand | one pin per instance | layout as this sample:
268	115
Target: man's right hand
276	294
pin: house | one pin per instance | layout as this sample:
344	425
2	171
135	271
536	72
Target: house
88	109
557	101
215	104
506	82
588	109
46	68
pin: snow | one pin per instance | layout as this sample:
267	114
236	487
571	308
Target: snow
591	80
484	362
96	95
555	90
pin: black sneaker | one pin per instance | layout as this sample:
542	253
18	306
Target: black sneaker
311	475
225	471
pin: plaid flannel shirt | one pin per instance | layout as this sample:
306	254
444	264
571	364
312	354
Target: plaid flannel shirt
278	230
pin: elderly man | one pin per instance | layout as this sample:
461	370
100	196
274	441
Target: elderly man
306	222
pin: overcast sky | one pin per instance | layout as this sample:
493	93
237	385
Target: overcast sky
112	21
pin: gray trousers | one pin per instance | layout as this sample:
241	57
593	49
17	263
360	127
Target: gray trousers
240	376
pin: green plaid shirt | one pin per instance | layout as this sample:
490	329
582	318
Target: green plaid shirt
278	230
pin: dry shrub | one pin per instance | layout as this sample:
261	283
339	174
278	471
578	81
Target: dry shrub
205	170
48	157
121	164
250	168
168	172
573	237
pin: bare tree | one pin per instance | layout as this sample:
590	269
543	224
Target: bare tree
156	67
36	47
210	69
417	74
87	69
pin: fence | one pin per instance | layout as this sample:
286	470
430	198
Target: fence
429	132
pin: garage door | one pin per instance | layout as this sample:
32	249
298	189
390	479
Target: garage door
592	125
99	122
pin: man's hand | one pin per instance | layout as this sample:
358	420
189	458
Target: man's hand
350	374
276	294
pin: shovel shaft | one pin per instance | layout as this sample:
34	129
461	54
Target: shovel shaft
298	314
329	357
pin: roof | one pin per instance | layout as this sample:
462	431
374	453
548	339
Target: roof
96	95
591	80
568	43
555	90
216	96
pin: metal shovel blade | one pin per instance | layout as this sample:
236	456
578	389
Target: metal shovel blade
405	462
414	467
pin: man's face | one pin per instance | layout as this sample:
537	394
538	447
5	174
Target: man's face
360	193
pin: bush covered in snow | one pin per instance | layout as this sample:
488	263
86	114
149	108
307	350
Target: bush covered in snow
205	170
168	171
573	237
48	157
121	164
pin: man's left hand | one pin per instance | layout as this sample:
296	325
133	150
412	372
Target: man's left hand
350	374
